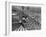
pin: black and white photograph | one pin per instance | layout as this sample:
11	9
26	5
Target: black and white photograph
26	18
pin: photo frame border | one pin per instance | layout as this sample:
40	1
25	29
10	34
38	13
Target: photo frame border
6	31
